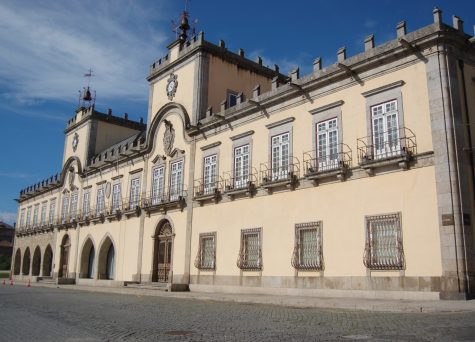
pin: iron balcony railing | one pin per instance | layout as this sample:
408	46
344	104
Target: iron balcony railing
280	170
318	161
398	142
240	179
205	187
158	198
131	203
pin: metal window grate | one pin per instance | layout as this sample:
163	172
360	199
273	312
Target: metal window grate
206	256
308	254
250	253
384	249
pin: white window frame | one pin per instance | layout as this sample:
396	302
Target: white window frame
327	144
22	217
242	165
134	196
116	197
385	129
28	216
52	209
73	206
176	179
158	184
280	156
36	210
86	203
100	200
210	173
64	208
43	213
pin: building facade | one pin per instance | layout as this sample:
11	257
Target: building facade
355	180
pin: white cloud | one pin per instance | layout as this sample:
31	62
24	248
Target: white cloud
8	217
48	46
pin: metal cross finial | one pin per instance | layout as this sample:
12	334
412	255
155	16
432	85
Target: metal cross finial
186	4
89	74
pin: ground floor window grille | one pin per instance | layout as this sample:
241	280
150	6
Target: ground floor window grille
250	253
206	256
308	253
384	250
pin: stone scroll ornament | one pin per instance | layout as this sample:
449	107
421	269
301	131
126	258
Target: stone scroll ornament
168	138
72	175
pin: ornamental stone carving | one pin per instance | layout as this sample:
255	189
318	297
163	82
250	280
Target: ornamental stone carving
168	138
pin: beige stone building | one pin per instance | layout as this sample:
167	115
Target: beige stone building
354	180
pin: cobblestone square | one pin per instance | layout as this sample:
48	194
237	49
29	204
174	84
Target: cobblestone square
50	314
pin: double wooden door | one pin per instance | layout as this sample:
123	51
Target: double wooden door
163	259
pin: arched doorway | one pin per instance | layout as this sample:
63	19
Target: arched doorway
106	268
25	270
35	267
64	258
47	262
162	252
17	267
87	260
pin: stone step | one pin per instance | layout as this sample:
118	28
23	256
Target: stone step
46	280
148	286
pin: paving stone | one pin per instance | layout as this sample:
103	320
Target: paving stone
52	314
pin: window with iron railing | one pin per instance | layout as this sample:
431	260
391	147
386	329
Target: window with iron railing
250	253
35	214
158	183
52	209
74	205
385	130
64	211
116	197
100	201
22	218
43	213
176	180
241	166
384	249
308	253
134	193
206	256
86	204
210	170
327	144
280	150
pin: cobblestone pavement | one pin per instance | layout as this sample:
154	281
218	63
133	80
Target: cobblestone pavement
50	314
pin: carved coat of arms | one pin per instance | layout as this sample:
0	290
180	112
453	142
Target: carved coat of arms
168	138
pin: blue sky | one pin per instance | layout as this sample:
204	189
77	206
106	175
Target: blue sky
48	46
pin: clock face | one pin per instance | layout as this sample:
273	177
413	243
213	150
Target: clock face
172	84
75	142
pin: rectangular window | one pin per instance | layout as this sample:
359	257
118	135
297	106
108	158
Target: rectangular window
134	193
250	253
28	216
176	180
158	181
384	250
327	144
43	213
74	205
210	173
280	156
241	166
52	208
232	99
22	218
206	257
100	201
116	197
86	204
308	246
35	214
385	130
64	212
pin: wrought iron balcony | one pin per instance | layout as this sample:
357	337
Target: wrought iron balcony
319	165
164	200
206	189
279	173
238	182
395	146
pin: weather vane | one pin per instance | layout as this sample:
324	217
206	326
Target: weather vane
86	95
182	26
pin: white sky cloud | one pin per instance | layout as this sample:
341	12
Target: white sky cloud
48	46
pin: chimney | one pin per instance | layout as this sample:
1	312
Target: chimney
341	54
437	15
317	64
458	23
294	74
256	91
